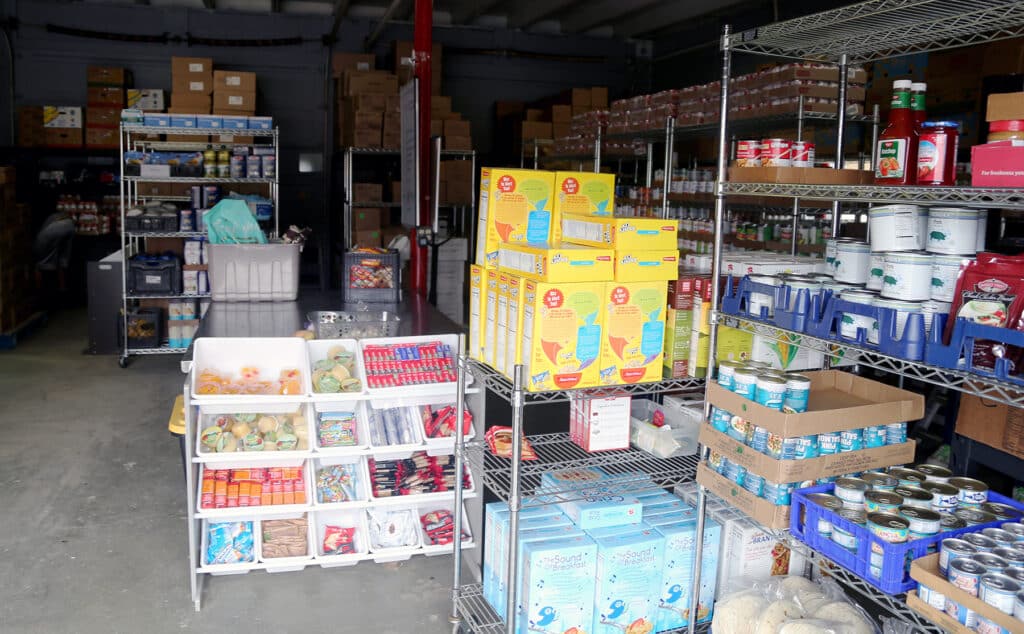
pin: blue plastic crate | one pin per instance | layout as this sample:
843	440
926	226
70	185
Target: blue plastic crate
895	571
790	309
910	346
958	354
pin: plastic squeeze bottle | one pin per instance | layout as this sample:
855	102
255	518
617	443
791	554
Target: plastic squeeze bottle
896	153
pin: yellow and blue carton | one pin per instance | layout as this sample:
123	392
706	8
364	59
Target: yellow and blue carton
633	343
557	262
515	206
653	234
584	193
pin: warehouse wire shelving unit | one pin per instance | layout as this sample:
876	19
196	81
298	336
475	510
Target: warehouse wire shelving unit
141	138
864	32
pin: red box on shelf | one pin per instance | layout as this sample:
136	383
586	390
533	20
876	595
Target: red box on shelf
998	164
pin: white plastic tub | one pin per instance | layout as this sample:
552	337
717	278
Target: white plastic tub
423	498
347	518
362	485
384	554
287	564
234	568
357	408
413	394
444	549
317	350
374	419
254	272
444	444
253	511
678	435
228	355
207	420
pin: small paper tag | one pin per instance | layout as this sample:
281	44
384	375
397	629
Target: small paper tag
195	86
195	68
235	100
233	80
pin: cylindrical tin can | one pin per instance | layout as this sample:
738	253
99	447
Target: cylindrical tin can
980	542
952	230
945	497
754	484
828	443
1002	512
890	528
748	153
951	549
827	501
776	153
991	562
923	522
720	420
972	492
798	391
908	477
880	481
907	276
945	269
895	227
851	440
874	436
843	537
1002	538
914	496
805	447
882	501
778	494
965	573
770	391
853	262
802	154
739	429
895	433
951	522
999	591
1014	558
934	473
745	382
727	374
933	598
1016	528
851	322
975	516
851	491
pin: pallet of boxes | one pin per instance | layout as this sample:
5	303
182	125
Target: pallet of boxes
18	296
106	98
220	100
367	113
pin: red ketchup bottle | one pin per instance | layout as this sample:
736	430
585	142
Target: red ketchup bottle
896	153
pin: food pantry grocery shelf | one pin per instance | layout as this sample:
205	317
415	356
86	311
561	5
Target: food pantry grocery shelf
167	296
557	451
981	197
502	386
955	379
142	129
878	29
196	179
740	125
161	350
166	234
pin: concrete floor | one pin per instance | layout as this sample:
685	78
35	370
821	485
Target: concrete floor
93	536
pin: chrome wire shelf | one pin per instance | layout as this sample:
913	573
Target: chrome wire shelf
502	386
141	129
738	125
181	199
641	471
894	605
160	350
977	197
878	29
167	296
196	146
196	179
166	234
965	382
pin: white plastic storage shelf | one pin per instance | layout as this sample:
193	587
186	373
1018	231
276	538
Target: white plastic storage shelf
318	349
269	356
287	564
275	410
361	487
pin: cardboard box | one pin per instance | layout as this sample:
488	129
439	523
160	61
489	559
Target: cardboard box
559	572
183	66
557	263
561	113
854	75
998	164
197	103
536	130
514	336
644	265
633	344
30	126
515	205
562	330
926	572
458	192
392	121
361	138
392	103
112	96
652	234
455	127
101	137
760	510
476	276
391	138
373	81
366	102
599	97
234	101
499	351
807	175
578	110
489	317
341	62
367	218
363	119
579	97
145	99
201	85
458	143
436	127
810	469
63	137
1005	106
561	130
440	107
106	76
234	81
533	114
991	423
62	117
838	401
367	192
99	117
367	238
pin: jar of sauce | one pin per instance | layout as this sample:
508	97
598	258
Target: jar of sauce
1008	130
936	153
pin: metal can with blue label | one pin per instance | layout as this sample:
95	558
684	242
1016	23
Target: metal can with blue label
1003	512
716	462
933	598
739	429
851	440
965	573
754	484
1016	528
1018	605
770	391
951	549
828	443
945	497
1000	537
781	448
974	516
734	472
934	472
895	433
844	538
779	494
1014	558
950	522
990	561
880	481
981	543
805	447
988	626
829	502
720	419
923	522
889	528
851	491
727	374
907	477
882	501
972	492
964	615
745	382
914	496
874	436
798	392
999	591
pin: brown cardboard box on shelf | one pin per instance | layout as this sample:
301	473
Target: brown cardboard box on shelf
99	116
234	81
1004	106
578	97
560	130
154	189
235	101
392	121
926	572
191	66
367	238
30	126
561	113
101	137
838	401
455	127
599	97
367	192
810	469
107	76
459	143
111	96
457	171
459	192
391	138
341	62
198	103
440	107
364	218
396	191
854	75
759	509
452	116
991	423
361	138
504	109
578	110
369	81
1005	57
393	103
536	114
63	137
187	109
436	127
536	130
200	85
362	120
366	101
797	175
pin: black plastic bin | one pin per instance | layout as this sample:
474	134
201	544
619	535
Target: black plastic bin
154	275
372	277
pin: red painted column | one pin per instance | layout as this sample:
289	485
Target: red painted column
422	43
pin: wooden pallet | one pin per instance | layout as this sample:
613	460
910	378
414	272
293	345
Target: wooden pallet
9	339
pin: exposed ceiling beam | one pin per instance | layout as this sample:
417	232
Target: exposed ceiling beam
210	4
664	15
601	13
392	10
340	10
472	10
528	13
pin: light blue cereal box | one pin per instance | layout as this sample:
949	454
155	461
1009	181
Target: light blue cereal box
556	574
677	573
496	516
629	570
529	529
603	510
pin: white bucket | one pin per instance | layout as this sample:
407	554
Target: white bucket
945	268
907	276
896	227
850	323
876	273
830	254
853	261
931	308
952	230
903	310
797	283
757	300
979	244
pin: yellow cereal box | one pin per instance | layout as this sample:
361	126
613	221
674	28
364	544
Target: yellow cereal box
476	295
640	265
490	320
514	339
633	344
654	234
501	325
561	335
515	206
482	211
557	262
584	193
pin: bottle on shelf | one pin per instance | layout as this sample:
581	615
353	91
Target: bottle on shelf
896	153
918	103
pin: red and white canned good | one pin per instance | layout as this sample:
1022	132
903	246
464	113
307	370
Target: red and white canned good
748	153
776	153
802	154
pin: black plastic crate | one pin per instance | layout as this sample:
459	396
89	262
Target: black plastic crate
133	223
372	277
148	274
168	222
145	327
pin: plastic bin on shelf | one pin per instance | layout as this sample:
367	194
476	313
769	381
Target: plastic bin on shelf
413	393
385	554
677	436
318	349
372	277
341	518
154	275
443	445
145	327
254	272
261	510
207	420
361	489
442	549
329	324
910	345
228	355
959	353
422	498
358	409
261	319
234	568
287	564
375	420
893	577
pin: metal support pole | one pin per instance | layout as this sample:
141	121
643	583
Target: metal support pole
536	154
670	127
514	500
597	151
840	135
423	26
874	134
460	409
796	201
649	158
716	274
348	198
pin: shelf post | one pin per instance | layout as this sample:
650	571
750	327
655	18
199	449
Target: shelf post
348	197
460	409
874	135
670	128
796	201
840	135
514	498
597	150
648	159
716	274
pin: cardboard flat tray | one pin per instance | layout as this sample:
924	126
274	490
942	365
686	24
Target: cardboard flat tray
926	571
763	511
800	175
838	401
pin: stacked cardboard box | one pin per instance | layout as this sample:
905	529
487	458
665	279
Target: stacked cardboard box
62	126
367	109
191	89
106	92
31	132
548	118
17	265
367	221
457	182
447	123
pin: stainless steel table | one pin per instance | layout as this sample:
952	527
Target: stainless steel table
282	319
